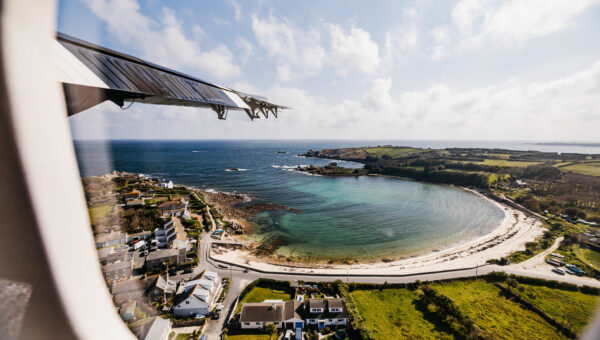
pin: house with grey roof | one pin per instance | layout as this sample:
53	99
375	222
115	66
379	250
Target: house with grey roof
117	271
159	330
157	258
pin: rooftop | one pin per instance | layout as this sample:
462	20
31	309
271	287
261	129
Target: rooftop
261	312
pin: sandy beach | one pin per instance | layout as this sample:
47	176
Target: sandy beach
511	235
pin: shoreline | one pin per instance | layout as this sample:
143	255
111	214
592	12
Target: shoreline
515	229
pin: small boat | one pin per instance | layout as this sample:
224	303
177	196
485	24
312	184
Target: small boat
281	151
233	169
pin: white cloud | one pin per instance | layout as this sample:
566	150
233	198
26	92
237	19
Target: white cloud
302	53
164	42
401	40
566	108
297	53
514	22
354	50
441	38
244	48
561	109
237	8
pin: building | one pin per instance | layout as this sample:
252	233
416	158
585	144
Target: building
294	314
519	184
326	312
135	203
258	315
197	297
173	208
127	310
163	287
144	235
115	256
196	301
165	235
157	258
110	239
131	195
168	185
159	330
118	270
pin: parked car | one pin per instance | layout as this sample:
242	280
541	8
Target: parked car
559	271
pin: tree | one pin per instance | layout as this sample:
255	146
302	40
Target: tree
271	330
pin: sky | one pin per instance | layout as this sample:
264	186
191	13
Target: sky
398	70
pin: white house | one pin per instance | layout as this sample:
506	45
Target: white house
195	301
159	330
197	297
168	185
326	312
165	235
294	314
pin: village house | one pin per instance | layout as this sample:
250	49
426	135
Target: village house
294	314
165	235
127	310
144	235
162	288
174	208
197	297
167	185
159	329
135	203
110	239
117	271
132	195
157	258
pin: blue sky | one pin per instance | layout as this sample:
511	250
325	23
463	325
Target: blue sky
465	69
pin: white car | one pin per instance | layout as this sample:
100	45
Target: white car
559	271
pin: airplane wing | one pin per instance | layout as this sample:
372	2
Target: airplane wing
92	74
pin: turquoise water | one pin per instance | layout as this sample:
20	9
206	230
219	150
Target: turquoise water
371	217
362	217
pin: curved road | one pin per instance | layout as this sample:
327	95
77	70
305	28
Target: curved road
241	276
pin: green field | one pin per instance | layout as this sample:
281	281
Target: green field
259	294
573	309
592	256
503	163
494	313
392	152
241	334
587	168
393	314
98	212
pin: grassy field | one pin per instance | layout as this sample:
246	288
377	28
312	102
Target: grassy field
587	168
392	152
503	163
241	334
259	294
98	212
592	256
573	309
393	314
494	313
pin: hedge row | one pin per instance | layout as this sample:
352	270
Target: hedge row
501	277
357	328
562	328
447	310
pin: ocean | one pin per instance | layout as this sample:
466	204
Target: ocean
342	218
